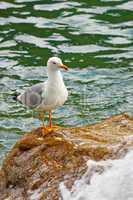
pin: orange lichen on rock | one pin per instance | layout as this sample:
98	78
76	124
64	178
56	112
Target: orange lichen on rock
42	159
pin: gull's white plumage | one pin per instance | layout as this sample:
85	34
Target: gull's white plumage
55	92
49	95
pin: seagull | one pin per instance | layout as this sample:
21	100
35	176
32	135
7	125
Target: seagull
49	95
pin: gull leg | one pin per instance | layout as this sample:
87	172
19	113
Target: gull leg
50	119
41	117
49	129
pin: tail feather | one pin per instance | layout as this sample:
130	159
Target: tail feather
15	97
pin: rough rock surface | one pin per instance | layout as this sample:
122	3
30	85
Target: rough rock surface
42	159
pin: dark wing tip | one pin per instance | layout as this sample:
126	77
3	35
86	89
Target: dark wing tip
15	97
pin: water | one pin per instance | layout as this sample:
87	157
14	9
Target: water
93	37
115	182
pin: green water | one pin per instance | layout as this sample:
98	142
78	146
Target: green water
93	37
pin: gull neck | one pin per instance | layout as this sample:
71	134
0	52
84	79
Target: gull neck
54	76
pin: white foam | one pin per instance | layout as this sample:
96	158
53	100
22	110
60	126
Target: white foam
114	182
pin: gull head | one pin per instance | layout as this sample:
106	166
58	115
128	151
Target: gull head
55	63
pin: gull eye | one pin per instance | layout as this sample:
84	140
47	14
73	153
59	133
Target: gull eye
54	63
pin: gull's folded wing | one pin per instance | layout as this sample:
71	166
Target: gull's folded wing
32	97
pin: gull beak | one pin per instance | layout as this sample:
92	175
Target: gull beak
64	67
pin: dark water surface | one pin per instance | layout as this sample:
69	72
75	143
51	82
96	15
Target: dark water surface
93	37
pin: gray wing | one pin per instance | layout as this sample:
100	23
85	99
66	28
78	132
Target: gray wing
32	97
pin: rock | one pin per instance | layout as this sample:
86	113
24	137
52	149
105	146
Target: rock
43	158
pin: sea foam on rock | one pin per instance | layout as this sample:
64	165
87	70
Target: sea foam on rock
42	160
104	180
